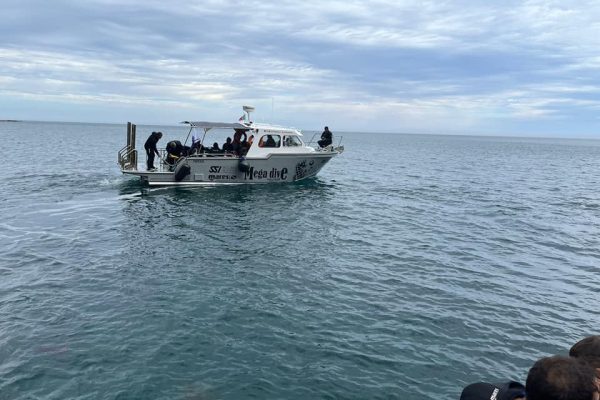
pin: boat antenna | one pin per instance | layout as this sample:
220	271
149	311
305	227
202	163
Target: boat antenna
248	110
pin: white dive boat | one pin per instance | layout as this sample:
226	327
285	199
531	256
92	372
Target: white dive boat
276	154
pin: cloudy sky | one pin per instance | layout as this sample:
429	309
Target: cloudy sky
475	67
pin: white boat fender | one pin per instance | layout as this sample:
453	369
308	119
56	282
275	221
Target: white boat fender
181	171
243	165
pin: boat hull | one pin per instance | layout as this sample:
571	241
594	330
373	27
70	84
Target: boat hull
223	170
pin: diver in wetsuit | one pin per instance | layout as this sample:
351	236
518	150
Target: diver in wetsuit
227	146
326	138
150	147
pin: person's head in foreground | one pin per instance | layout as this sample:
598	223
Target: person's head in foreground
562	378
587	347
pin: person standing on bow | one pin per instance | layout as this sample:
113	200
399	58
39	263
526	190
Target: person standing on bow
326	138
151	149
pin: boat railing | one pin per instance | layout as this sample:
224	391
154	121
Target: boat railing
315	142
127	158
163	165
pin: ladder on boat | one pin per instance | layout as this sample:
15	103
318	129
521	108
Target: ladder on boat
128	156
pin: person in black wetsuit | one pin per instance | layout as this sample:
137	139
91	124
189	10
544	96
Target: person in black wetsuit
227	146
150	147
326	138
270	142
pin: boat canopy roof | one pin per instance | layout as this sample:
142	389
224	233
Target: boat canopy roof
276	129
266	128
219	125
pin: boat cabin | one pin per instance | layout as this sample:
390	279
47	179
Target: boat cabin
249	139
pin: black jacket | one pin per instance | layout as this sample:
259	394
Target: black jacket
327	136
151	142
227	147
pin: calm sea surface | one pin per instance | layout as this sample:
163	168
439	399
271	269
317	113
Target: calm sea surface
412	266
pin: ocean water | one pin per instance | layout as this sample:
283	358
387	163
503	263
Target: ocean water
412	266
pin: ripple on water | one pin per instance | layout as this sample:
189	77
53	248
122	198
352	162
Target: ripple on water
367	282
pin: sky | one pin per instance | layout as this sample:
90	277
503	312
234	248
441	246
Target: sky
524	68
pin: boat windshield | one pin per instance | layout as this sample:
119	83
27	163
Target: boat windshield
269	141
292	141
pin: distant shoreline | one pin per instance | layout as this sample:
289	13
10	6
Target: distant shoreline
10	120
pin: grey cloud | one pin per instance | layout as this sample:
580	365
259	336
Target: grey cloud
338	55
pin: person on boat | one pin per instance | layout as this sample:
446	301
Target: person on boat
270	142
151	149
326	138
245	146
215	148
227	146
196	147
267	141
175	151
237	141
